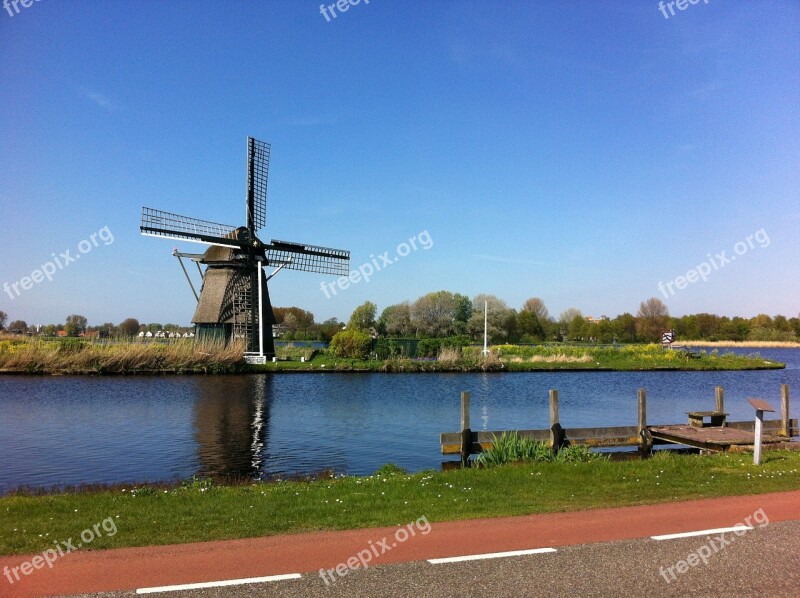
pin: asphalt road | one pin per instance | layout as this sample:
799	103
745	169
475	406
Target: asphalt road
760	562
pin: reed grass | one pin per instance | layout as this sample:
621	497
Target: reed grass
77	356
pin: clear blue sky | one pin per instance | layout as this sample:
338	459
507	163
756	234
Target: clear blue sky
581	152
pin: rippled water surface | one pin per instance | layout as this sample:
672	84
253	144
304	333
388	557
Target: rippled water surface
69	430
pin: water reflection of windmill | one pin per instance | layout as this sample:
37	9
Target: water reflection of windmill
234	299
231	422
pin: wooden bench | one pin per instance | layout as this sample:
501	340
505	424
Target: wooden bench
716	418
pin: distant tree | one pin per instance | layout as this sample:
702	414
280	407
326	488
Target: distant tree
781	324
529	326
75	325
578	328
795	324
49	330
709	325
536	306
290	322
129	327
568	315
395	320
18	327
499	318
154	327
434	314
652	319
363	317
107	327
624	327
3	319
463	312
761	321
303	319
328	329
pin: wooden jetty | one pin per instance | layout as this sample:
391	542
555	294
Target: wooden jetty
716	434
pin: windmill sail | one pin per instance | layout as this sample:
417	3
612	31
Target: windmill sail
308	258
157	223
257	173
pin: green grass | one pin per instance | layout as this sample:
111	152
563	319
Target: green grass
77	356
515	358
200	511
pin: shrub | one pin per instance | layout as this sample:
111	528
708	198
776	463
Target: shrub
351	343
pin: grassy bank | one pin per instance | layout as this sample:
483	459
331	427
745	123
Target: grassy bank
76	356
743	344
515	358
200	511
184	356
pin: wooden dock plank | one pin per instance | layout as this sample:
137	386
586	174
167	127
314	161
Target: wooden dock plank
719	438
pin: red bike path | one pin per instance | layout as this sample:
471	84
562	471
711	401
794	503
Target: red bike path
130	568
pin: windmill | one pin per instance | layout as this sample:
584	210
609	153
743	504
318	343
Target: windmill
234	300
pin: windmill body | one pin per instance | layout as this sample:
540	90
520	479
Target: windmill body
234	299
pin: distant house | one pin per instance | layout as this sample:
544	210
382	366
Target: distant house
61	333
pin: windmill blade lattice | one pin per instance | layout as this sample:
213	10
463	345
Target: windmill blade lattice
309	258
258	153
158	223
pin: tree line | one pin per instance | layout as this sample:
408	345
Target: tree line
445	314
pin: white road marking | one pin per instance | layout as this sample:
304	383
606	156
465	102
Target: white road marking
490	555
704	532
218	584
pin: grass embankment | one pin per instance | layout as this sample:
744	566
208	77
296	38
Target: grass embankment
744	344
515	358
200	511
184	356
77	356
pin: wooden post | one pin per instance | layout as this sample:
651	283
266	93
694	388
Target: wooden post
757	443
645	440
642	396
785	420
556	431
719	395
466	433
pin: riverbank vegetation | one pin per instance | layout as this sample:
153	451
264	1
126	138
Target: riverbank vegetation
355	353
522	358
79	356
169	514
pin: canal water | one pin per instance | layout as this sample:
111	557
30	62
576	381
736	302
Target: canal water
66	430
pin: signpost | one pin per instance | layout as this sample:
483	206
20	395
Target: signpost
760	406
667	338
